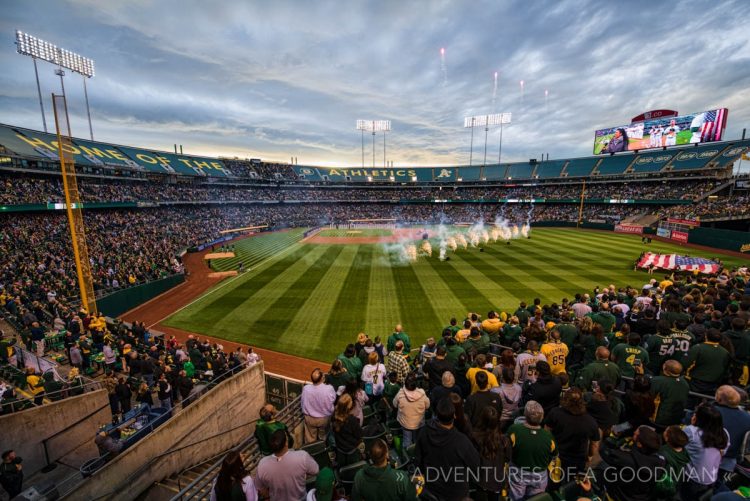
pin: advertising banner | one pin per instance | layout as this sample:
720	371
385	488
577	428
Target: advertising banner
680	236
702	127
685	222
629	228
663	232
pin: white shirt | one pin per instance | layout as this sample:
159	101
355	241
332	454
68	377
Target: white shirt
374	374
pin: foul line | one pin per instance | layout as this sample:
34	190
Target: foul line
227	282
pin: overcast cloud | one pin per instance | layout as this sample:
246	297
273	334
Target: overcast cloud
274	79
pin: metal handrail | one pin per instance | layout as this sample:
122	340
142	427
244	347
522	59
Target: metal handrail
290	415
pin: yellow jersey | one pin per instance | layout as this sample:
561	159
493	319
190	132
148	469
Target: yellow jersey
556	353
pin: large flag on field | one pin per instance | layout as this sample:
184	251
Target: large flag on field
677	262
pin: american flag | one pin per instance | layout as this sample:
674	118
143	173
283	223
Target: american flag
713	124
675	262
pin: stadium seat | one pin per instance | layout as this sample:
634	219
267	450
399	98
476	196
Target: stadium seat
373	432
319	452
345	475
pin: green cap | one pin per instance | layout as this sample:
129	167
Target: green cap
324	484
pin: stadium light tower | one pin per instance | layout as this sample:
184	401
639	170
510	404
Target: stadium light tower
485	121
373	126
36	48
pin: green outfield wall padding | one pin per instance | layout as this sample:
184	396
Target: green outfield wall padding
119	302
721	239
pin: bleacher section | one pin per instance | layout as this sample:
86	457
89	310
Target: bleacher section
613	165
520	171
651	162
580	166
550	169
30	145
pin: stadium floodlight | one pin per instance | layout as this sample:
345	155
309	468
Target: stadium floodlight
36	48
485	121
373	126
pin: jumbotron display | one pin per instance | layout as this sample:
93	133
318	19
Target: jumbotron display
702	127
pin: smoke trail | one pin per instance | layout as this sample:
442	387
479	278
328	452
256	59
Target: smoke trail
494	92
443	237
526	229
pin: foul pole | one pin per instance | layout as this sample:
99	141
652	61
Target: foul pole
73	204
580	207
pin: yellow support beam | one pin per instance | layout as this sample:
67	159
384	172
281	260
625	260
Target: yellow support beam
73	204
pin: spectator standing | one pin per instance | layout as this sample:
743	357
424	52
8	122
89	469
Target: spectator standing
317	406
283	474
736	421
266	426
380	481
233	483
338	375
396	362
483	397
510	395
494	454
576	432
670	392
11	473
399	335
164	391
480	367
533	449
447	387
124	394
347	431
443	449
373	377
351	361
707	442
185	387
630	357
35	385
641	460
411	403
708	364
435	367
546	389
601	368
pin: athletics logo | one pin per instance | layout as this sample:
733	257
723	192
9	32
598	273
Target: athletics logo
445	173
306	171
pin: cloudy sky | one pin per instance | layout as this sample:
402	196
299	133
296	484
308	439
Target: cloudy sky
275	79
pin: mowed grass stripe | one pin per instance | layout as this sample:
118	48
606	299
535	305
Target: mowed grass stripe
319	305
349	316
416	308
383	312
265	327
444	302
453	274
487	276
537	255
255	249
530	274
212	309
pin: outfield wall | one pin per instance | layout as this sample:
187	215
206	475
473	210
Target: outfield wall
119	302
722	239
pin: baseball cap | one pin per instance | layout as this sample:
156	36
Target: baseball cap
324	484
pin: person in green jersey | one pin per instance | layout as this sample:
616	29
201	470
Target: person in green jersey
682	340
266	426
512	331
380	481
567	329
604	317
671	392
659	347
399	335
675	459
631	356
601	368
533	450
707	364
522	314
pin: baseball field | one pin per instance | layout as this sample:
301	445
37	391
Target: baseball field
310	297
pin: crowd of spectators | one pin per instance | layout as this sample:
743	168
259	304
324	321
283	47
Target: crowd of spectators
582	394
21	189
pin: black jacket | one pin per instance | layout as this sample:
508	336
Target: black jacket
476	403
546	391
439	452
635	460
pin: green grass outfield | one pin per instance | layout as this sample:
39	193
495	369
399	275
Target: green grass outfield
311	300
364	232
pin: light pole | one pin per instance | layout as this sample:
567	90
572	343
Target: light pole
36	48
505	119
485	121
373	126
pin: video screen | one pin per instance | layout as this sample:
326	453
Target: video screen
702	127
